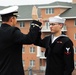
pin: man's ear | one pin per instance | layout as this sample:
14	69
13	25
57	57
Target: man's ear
11	18
61	25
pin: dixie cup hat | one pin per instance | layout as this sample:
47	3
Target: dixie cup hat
57	19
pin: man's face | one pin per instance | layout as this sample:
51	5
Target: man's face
55	27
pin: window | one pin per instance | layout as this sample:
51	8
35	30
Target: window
75	50
32	63
74	63
23	61
0	24
22	24
49	10
32	49
42	53
47	25
75	36
23	49
75	22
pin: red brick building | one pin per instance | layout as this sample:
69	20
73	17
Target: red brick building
33	56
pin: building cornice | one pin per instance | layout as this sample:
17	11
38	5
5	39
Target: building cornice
24	19
59	6
69	17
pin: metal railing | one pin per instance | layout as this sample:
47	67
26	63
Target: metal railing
30	71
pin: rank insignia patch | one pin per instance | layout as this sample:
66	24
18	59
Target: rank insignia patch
67	51
59	42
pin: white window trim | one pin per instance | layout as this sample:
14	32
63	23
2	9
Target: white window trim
74	50
75	64
22	25
75	22
23	51
47	27
74	36
0	24
42	53
32	63
23	61
48	10
33	50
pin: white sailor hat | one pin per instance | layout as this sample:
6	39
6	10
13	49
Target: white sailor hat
57	19
10	11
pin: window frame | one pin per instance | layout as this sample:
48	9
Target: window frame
32	49
23	62
74	50
21	24
23	49
75	22
74	36
49	10
32	63
47	25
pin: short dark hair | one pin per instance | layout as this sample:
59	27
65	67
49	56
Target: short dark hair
6	17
